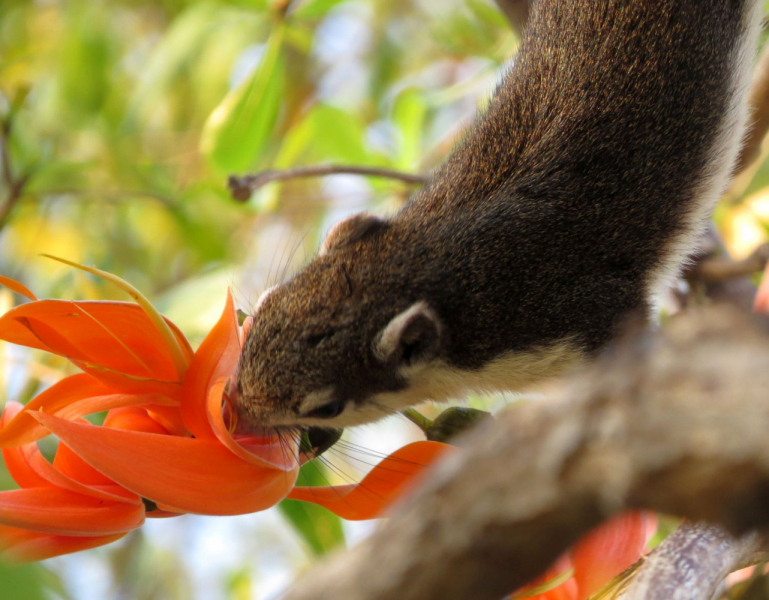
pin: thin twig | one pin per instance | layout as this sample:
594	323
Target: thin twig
723	268
15	185
241	188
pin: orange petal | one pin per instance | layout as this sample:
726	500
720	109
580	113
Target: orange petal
133	418
381	487
15	461
61	512
761	303
23	429
29	469
75	467
185	474
15	286
216	357
610	549
268	449
109	334
119	380
565	591
106	491
22	546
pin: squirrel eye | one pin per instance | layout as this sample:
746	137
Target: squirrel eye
328	411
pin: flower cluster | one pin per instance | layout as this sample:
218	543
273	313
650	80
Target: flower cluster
166	446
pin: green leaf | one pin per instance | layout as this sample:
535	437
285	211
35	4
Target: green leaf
237	131
22	582
340	135
318	527
488	13
178	48
314	9
85	61
409	117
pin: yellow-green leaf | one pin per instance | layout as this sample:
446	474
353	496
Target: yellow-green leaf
237	131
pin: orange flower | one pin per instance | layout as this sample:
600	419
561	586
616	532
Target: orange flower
166	442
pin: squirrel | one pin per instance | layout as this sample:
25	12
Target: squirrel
570	204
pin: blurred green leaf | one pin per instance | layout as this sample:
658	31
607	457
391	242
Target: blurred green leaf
176	50
237	131
488	12
84	61
23	582
315	9
340	134
409	117
318	527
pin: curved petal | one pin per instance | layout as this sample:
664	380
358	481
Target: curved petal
73	466
268	449
22	429
17	287
609	549
15	462
133	418
185	474
761	302
34	460
109	334
61	512
557	581
21	545
216	357
380	488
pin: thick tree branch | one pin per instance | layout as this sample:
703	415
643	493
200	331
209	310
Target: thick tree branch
673	422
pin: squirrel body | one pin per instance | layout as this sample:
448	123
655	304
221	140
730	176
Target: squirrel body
570	204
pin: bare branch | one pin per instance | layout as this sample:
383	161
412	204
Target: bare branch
723	268
672	422
15	185
241	188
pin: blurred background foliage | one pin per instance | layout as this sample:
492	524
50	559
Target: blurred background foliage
120	121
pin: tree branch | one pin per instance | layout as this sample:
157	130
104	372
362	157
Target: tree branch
672	422
15	185
241	188
691	563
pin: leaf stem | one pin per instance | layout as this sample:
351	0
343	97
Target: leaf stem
418	419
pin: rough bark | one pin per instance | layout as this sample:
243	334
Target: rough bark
692	563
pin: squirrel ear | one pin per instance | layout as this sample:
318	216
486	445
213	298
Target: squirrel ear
410	338
349	231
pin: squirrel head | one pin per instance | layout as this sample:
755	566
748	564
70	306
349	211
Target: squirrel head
341	342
